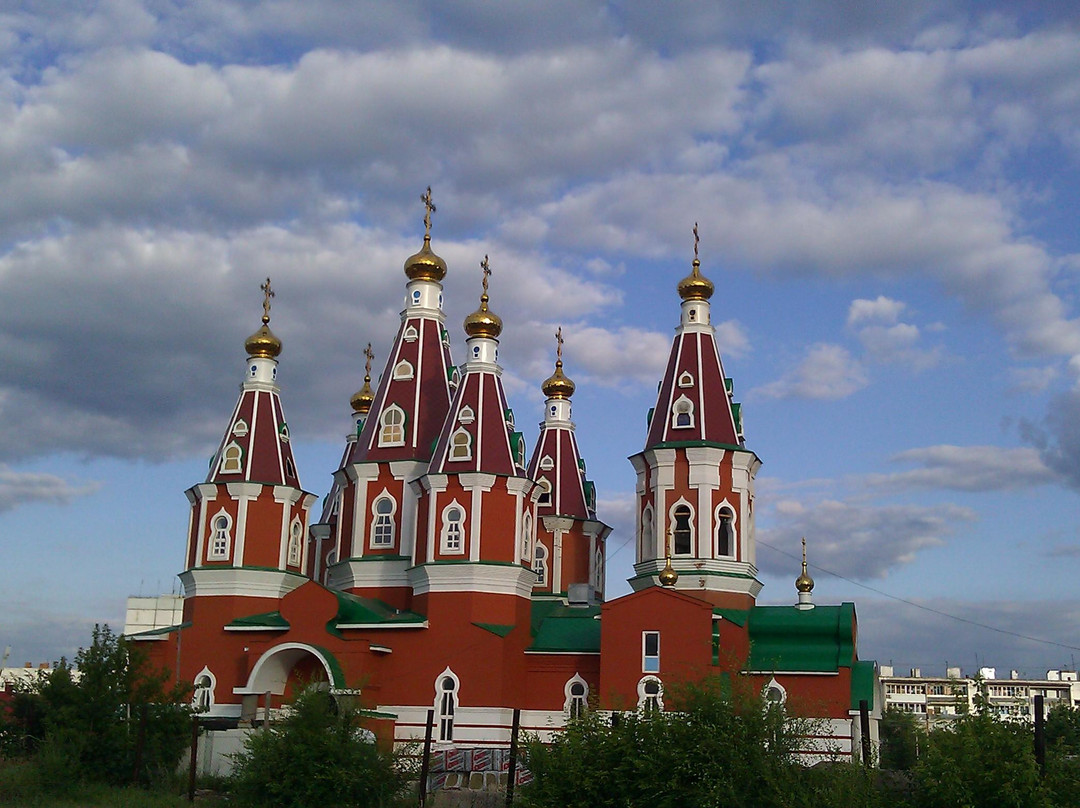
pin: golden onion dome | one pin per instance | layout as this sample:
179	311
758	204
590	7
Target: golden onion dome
804	583
558	384
483	322
668	576
425	265
362	398
696	286
263	343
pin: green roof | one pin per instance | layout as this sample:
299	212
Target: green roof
261	620
160	632
499	629
736	616
557	627
862	683
356	610
784	638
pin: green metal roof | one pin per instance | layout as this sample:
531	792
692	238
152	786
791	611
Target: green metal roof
356	610
862	683
159	632
557	627
783	638
261	620
736	616
499	629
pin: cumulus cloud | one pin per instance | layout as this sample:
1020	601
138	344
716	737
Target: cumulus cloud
1057	436
884	338
23	487
827	372
966	468
859	541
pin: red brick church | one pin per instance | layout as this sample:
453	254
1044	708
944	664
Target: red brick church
451	570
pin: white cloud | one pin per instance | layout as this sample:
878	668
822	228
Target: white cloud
24	487
881	311
827	372
966	468
855	540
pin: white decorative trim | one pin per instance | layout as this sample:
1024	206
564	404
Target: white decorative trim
511	579
239	582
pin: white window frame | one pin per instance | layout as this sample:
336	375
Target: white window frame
650	663
646	701
381	520
682	503
466	415
527	537
232	459
545	491
447	545
403	370
296	532
575	705
648	533
540	563
391	430
240	428
219	539
686	379
410	334
460	445
202	699
546	463
724	509
682	406
446	705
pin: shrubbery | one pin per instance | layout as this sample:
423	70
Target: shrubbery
319	754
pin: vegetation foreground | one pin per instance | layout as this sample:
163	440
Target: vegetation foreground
115	736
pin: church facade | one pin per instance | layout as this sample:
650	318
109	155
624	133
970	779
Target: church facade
451	570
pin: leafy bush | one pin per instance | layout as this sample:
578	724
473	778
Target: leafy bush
319	754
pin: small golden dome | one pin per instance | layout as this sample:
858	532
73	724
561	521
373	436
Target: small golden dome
804	583
668	576
425	265
696	286
362	398
484	322
263	343
558	384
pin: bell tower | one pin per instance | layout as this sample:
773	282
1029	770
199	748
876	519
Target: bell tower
695	476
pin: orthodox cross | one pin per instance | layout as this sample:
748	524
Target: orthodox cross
429	209
558	345
487	272
367	365
267	294
804	555
696	240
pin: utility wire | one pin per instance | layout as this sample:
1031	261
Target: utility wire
921	606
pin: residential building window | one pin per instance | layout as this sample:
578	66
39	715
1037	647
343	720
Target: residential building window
220	535
683	537
382	523
453	519
461	445
650	694
577	697
650	652
682	413
446	704
393	426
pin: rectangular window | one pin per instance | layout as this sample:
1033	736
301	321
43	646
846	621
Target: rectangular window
650	651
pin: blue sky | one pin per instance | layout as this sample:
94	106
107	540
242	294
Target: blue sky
887	199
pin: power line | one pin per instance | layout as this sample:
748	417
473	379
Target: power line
921	606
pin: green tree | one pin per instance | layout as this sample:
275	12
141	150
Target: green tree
1063	729
980	762
118	721
715	748
319	754
901	737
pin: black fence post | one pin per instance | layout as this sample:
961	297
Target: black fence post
1040	735
864	731
425	761
511	776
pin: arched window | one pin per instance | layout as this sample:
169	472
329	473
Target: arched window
683	537
446	704
546	463
403	370
545	491
382	522
393	426
682	413
725	532
598	570
231	459
296	532
240	428
409	335
685	379
461	445
466	415
526	537
220	535
203	698
775	693
576	691
452	528
650	694
540	564
648	534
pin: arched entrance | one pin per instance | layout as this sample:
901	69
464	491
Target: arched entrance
284	669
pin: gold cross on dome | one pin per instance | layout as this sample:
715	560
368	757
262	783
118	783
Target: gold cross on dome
487	272
558	344
804	555
267	294
696	240
370	355
429	209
